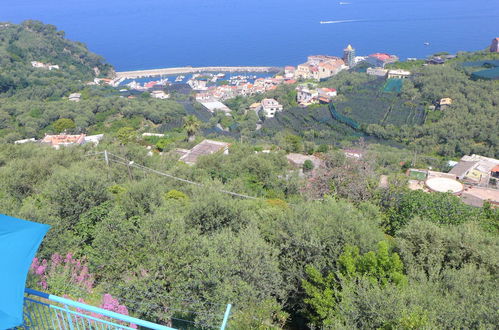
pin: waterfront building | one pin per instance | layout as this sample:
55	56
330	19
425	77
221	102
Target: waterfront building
316	59
289	72
381	59
494	47
304	71
329	68
270	107
320	67
349	56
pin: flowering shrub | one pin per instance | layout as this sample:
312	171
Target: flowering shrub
63	275
69	277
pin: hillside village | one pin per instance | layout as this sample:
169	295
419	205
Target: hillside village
204	201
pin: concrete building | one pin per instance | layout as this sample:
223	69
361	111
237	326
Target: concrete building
494	46
320	67
270	107
74	97
398	74
95	139
206	147
214	105
378	72
31	140
326	95
316	59
306	95
475	169
41	65
304	71
328	69
349	56
160	95
289	72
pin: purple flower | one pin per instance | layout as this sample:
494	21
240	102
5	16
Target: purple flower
40	270
56	259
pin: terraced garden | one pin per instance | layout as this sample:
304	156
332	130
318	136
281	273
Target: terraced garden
370	104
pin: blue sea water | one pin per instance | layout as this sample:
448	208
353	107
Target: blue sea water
165	33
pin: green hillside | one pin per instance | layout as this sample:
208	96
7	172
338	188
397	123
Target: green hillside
35	41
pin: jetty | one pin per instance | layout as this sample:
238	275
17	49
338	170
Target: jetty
188	69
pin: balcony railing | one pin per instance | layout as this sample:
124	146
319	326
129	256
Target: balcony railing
46	311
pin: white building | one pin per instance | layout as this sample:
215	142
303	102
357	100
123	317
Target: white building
326	94
95	139
74	97
153	134
306	95
160	95
41	65
378	72
214	105
399	74
270	107
24	141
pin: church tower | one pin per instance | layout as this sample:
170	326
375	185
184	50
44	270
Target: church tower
349	55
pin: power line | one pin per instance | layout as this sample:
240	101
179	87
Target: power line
128	163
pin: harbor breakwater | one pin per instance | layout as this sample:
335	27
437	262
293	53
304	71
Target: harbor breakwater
186	70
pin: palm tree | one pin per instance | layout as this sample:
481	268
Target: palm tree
191	125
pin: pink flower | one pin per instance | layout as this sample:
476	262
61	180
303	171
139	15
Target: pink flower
40	270
34	264
56	259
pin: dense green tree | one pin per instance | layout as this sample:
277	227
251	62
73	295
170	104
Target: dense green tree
324	293
191	126
64	125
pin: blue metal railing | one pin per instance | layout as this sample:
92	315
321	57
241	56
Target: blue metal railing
46	311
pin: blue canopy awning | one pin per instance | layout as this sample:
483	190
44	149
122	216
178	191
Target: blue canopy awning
19	241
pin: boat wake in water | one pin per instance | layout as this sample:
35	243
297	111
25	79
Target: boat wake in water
341	21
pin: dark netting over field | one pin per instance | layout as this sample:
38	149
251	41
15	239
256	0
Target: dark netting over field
393	85
341	118
370	105
485	63
317	119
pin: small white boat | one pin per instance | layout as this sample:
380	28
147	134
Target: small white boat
426	43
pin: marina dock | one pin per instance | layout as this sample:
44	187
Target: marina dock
186	70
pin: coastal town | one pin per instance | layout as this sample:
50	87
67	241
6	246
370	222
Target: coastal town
475	178
249	165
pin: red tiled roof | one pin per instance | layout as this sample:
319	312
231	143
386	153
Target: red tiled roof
381	56
56	140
